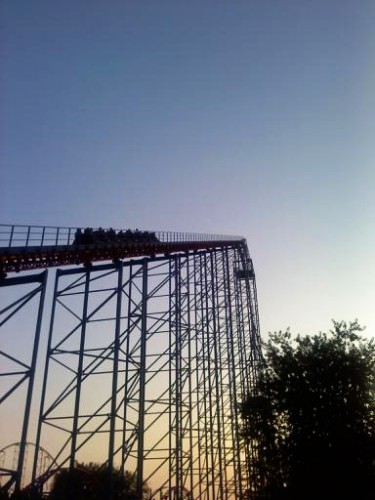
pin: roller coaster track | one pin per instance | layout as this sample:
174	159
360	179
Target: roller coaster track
34	247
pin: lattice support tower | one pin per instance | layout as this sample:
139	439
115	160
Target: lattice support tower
146	364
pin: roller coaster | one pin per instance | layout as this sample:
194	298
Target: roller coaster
128	348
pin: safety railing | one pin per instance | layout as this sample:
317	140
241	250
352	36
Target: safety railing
12	235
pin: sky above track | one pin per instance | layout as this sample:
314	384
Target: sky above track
242	117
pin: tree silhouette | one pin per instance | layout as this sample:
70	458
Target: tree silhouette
311	419
94	482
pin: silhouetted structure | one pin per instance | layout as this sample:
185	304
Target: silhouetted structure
148	354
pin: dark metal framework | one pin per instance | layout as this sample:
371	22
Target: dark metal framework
146	364
18	359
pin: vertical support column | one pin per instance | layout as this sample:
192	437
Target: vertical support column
116	350
248	339
170	377
190	362
29	395
124	448
45	379
178	374
216	370
199	417
209	340
79	373
232	371
203	376
142	382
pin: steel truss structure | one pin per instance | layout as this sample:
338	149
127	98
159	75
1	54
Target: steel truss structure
147	362
18	359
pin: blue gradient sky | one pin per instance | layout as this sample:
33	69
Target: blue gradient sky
238	117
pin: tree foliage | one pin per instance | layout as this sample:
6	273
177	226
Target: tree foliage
93	482
311	419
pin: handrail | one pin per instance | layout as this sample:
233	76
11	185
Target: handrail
18	235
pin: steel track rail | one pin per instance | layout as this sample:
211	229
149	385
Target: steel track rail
16	259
